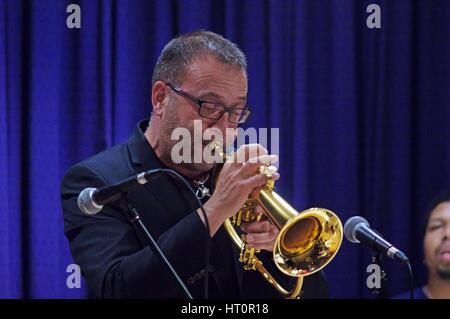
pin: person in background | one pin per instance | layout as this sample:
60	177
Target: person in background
436	251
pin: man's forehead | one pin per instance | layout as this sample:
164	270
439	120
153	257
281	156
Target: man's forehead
216	80
211	67
206	92
441	211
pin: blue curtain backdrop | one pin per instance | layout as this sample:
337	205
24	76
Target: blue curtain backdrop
363	114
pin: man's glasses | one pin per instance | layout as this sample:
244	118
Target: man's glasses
215	111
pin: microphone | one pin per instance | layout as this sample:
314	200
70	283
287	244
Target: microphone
91	200
357	230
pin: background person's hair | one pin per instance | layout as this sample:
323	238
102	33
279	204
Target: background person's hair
442	197
184	49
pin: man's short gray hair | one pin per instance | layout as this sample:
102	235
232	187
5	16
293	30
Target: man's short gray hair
180	52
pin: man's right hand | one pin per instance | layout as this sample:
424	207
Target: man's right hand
238	178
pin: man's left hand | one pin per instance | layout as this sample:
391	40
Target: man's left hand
261	235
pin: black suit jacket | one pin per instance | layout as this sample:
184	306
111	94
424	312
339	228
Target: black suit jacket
114	256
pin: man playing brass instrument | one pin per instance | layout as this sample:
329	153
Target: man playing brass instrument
198	76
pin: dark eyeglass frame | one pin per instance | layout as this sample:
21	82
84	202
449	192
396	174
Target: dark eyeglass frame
246	112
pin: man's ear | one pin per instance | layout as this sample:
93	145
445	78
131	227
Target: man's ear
159	97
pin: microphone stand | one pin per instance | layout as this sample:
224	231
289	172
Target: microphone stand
134	217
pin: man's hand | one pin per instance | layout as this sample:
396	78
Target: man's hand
236	181
261	235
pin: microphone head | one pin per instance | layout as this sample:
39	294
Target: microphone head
86	202
351	225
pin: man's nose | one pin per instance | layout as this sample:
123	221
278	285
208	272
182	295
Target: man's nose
223	123
447	231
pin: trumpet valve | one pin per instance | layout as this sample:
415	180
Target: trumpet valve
247	256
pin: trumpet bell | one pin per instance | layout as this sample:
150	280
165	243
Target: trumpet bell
308	242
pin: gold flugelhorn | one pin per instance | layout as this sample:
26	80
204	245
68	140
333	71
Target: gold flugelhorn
306	243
